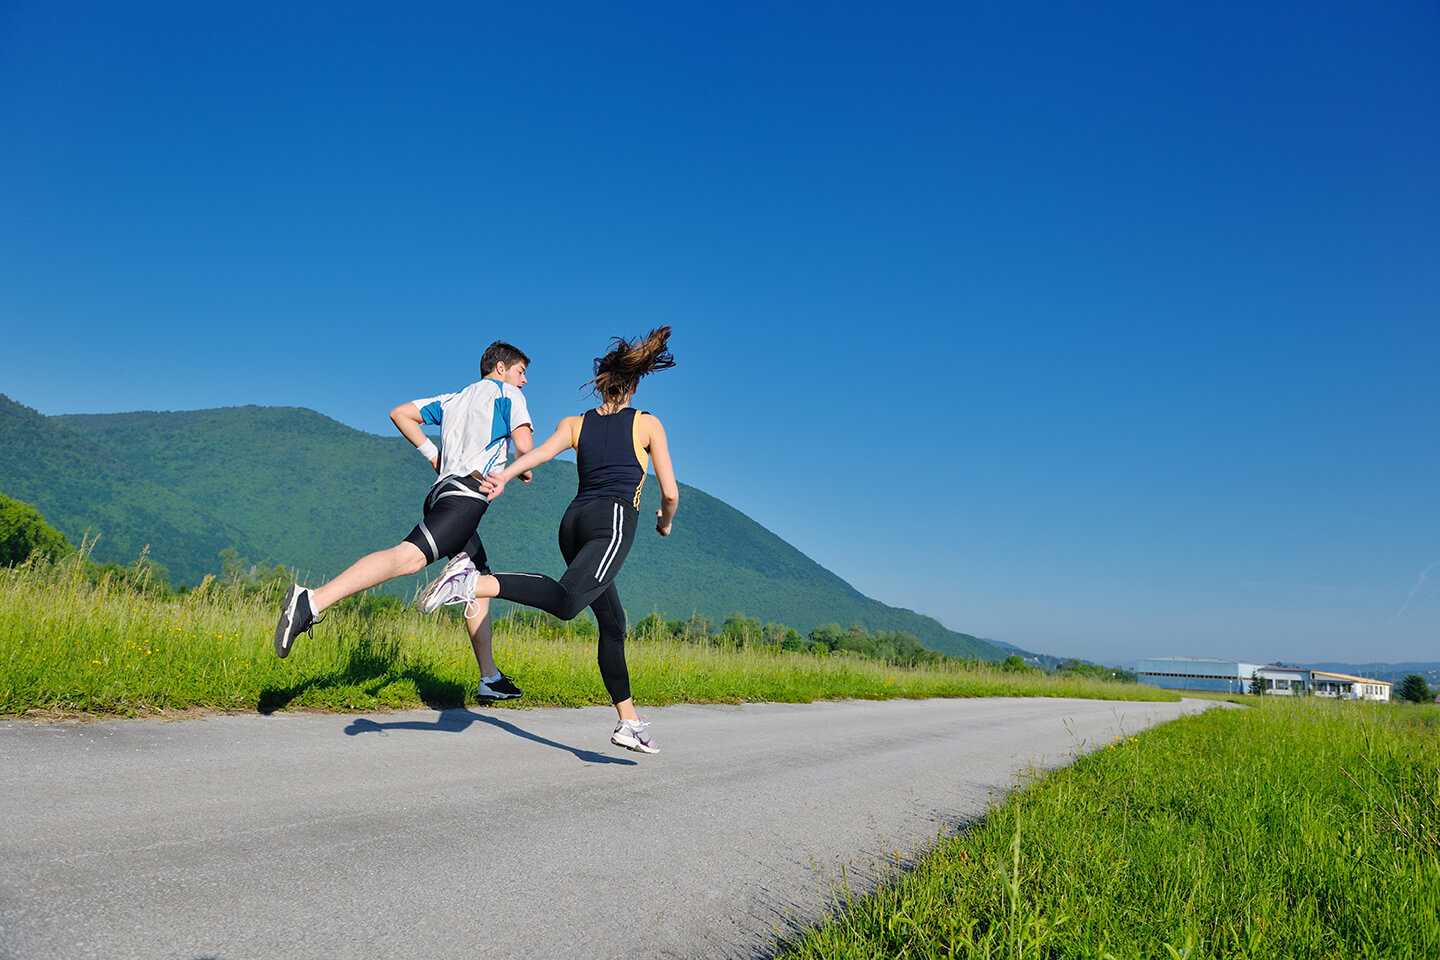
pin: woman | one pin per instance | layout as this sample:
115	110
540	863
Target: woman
612	444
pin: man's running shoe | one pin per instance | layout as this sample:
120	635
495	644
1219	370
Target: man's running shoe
456	584
297	615
501	689
634	735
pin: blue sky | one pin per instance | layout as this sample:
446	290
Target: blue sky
1108	330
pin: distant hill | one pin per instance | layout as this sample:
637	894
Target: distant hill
1048	660
288	485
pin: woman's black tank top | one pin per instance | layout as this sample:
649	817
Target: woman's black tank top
610	460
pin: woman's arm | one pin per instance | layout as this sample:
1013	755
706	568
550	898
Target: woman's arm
659	448
494	484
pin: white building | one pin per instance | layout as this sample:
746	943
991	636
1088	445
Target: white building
1238	676
1284	681
1346	687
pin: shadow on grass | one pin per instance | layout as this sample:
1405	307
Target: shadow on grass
455	721
371	667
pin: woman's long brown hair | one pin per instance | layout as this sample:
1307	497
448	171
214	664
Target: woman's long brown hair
618	373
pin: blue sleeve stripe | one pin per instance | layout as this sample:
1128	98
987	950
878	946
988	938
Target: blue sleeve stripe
500	420
431	413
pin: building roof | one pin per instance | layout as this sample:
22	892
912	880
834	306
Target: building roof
1346	676
1196	659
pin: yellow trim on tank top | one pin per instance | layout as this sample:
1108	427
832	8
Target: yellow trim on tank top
642	455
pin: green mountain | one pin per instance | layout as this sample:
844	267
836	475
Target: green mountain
85	490
290	486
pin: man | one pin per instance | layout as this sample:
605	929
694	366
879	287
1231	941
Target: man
478	427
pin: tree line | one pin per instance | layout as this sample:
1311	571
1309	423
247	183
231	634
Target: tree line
26	536
738	630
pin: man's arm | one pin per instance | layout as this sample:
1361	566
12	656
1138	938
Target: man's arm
524	440
407	420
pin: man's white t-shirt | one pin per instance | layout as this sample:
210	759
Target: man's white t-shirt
476	425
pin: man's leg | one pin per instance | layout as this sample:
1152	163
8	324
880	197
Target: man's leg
493	684
478	627
477	613
300	610
369	571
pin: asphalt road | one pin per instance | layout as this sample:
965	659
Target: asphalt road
493	833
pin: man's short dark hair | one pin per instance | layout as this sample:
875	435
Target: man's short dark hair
501	352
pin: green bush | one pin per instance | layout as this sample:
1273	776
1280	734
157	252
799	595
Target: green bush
23	532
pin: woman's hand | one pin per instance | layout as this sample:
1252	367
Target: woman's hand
662	526
492	484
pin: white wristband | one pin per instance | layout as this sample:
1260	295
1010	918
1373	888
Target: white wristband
428	449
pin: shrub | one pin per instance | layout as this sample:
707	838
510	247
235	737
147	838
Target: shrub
23	532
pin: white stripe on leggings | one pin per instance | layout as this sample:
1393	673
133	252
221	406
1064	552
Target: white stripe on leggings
616	529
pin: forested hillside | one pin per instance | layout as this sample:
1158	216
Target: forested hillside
82	488
290	486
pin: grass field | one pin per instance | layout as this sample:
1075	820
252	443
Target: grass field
1296	828
70	645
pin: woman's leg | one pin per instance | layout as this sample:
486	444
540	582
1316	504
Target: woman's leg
595	539
631	732
610	654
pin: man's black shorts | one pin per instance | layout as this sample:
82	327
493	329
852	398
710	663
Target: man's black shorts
453	510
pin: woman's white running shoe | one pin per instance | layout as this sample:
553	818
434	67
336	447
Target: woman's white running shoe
634	735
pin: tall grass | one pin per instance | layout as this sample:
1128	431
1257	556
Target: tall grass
71	644
1296	829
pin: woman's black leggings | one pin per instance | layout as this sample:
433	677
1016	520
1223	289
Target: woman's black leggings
595	537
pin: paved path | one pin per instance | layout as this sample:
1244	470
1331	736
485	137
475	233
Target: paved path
492	833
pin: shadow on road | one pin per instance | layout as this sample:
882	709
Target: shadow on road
455	721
